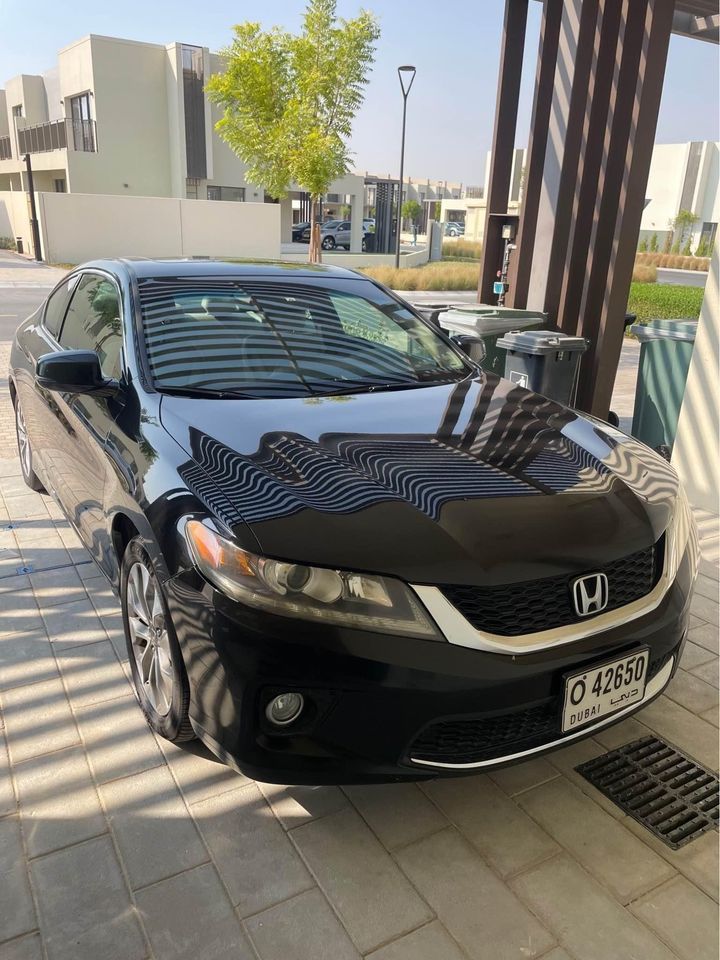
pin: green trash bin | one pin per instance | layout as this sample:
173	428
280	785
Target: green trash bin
491	322
666	347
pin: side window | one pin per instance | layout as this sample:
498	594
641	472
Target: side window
57	305
93	322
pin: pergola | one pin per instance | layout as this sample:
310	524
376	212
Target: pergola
598	84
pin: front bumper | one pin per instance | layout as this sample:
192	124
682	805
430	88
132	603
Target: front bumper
371	697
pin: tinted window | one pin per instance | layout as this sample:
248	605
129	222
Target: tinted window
93	322
287	338
57	304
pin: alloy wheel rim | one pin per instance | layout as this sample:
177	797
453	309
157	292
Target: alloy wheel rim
149	638
23	442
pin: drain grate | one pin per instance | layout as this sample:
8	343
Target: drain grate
658	786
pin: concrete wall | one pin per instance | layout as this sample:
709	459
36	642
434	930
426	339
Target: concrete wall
696	454
15	217
79	227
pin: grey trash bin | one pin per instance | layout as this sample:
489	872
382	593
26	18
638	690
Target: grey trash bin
544	361
490	322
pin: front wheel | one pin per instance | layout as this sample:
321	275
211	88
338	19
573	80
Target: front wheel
25	451
328	243
158	671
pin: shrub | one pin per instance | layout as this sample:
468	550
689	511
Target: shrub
643	245
702	249
7	243
674	261
675	248
461	249
432	276
667	243
687	249
656	301
644	273
653	243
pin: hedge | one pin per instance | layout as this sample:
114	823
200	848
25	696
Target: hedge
656	301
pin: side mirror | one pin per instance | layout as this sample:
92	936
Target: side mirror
73	371
473	346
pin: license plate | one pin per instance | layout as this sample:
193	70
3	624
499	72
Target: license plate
601	691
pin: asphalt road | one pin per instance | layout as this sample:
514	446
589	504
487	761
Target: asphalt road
17	303
684	278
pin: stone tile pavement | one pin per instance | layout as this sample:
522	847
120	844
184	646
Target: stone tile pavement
117	846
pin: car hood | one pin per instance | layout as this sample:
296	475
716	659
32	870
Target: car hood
473	482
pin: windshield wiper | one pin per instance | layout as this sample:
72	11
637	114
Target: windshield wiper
206	393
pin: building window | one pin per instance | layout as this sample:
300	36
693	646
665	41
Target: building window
709	230
191	188
225	193
194	106
83	134
59	185
17	110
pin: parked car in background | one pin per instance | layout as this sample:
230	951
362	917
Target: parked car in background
341	238
369	225
441	574
335	234
454	229
298	232
327	224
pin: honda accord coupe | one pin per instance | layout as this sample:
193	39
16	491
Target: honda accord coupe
343	551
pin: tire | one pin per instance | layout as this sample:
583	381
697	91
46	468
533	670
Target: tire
25	451
158	672
328	243
364	245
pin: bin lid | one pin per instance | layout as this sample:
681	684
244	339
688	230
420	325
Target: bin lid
665	330
489	320
541	342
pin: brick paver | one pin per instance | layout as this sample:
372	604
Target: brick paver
116	845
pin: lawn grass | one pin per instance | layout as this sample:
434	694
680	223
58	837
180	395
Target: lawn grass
656	301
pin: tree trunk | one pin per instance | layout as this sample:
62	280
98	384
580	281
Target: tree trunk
315	251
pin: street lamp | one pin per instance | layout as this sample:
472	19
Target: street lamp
406	74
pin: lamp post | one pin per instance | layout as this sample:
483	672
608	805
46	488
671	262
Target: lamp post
405	74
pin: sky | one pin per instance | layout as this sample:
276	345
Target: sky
453	43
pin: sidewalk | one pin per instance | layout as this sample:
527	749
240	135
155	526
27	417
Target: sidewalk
19	271
115	845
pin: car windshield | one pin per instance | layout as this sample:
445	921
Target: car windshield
278	338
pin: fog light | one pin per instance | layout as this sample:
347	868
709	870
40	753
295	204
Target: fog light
284	708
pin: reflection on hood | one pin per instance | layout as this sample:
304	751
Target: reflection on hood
494	440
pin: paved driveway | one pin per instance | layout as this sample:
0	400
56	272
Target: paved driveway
117	846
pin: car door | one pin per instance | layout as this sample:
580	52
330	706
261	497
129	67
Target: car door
93	321
342	235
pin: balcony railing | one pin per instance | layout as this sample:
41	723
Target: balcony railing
5	148
58	135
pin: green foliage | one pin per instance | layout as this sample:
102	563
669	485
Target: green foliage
667	243
7	243
653	243
686	249
684	222
703	248
289	101
345	211
412	211
656	301
643	246
675	248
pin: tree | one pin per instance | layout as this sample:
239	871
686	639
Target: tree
684	223
412	211
289	100
345	211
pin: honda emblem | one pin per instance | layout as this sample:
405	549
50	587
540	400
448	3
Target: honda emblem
590	594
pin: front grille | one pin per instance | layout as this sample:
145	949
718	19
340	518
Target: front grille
473	739
530	606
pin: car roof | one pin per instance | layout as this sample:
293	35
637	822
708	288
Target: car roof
175	267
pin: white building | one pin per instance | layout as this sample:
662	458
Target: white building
122	117
683	176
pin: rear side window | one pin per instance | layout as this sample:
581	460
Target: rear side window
57	305
93	322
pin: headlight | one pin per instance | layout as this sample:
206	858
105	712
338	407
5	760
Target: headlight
681	536
310	593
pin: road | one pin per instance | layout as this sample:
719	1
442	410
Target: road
16	303
684	278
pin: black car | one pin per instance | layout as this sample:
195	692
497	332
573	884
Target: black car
343	551
298	232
